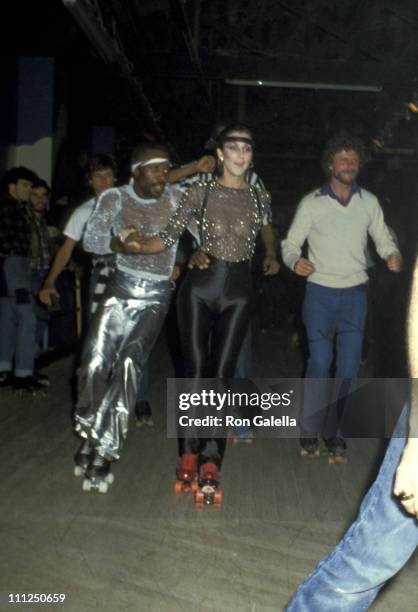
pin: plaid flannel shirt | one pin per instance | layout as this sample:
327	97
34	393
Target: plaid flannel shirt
15	228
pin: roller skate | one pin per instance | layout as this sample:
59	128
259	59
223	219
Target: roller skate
83	458
209	492
143	414
186	474
337	450
309	448
98	475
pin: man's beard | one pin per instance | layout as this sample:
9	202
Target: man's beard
341	177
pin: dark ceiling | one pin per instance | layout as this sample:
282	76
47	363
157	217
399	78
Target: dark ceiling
164	66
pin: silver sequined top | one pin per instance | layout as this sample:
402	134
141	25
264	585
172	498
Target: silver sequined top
229	224
120	208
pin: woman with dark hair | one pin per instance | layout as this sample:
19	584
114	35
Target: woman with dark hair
227	214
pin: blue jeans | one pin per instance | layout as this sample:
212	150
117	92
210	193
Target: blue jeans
331	315
375	548
17	317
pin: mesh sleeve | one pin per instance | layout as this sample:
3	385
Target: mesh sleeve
186	210
99	229
265	201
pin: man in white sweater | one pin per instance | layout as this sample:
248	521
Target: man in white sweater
335	220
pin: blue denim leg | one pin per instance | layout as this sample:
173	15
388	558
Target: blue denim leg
25	339
330	313
351	320
374	549
17	329
17	317
319	316
8	334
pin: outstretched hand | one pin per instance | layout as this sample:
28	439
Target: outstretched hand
198	259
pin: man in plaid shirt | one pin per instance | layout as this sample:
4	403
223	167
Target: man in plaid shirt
17	309
40	260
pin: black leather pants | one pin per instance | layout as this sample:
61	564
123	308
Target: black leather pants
213	313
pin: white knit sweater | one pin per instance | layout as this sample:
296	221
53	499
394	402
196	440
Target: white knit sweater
337	237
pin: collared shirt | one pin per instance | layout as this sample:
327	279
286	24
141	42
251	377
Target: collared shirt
15	228
337	237
326	190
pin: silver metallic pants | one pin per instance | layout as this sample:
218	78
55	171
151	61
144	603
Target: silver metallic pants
120	338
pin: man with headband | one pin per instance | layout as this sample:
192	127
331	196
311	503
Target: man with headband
130	316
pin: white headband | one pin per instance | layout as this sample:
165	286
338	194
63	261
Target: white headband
154	160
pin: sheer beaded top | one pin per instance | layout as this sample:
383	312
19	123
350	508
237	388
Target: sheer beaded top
121	207
228	220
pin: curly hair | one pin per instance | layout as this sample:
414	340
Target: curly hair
343	141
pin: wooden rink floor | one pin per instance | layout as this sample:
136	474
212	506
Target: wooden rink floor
140	548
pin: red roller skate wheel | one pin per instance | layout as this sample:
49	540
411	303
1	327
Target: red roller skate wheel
178	487
217	497
199	497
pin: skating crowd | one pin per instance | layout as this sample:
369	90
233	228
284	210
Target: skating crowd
132	234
